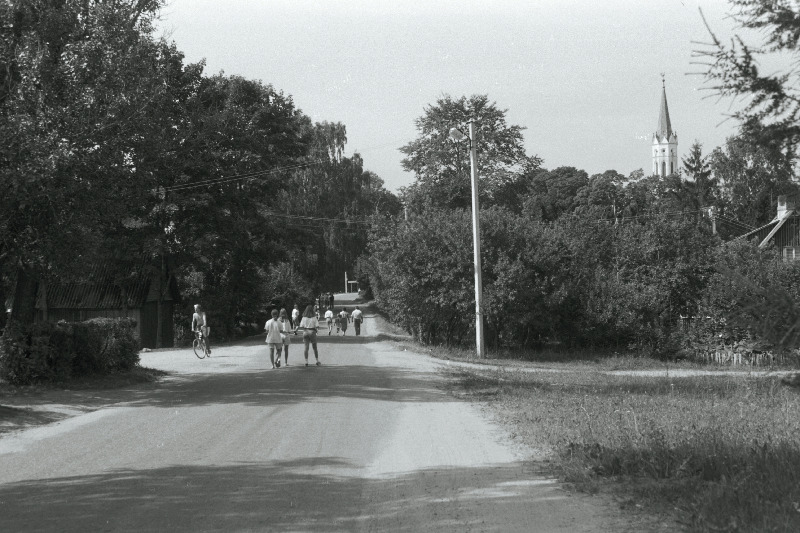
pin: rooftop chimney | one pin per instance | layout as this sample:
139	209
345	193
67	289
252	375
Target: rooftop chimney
785	205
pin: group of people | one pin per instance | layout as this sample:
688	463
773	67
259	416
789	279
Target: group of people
280	327
342	319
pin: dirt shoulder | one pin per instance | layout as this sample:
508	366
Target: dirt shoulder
23	407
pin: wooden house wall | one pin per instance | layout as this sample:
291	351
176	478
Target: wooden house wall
149	324
789	234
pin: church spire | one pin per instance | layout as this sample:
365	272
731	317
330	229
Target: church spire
664	125
665	140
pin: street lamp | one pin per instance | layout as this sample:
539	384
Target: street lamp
458	135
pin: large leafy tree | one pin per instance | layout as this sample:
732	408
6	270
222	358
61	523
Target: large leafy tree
442	166
77	90
751	177
771	96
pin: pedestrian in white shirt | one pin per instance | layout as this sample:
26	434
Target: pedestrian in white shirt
357	319
273	329
295	318
309	325
329	319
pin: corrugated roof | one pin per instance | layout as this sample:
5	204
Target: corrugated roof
99	292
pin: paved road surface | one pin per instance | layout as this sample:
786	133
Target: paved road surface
366	442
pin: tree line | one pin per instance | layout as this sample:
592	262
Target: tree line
116	151
578	260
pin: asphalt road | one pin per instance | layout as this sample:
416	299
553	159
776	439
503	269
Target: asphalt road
368	441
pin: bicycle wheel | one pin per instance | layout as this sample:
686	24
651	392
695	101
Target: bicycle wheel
199	347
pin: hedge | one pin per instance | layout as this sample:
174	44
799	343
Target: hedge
55	352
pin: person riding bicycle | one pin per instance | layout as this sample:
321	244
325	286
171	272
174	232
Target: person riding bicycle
200	324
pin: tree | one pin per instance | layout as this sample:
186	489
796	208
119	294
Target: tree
442	166
704	184
553	193
772	109
76	85
751	177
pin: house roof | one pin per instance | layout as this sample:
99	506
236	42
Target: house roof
100	291
775	224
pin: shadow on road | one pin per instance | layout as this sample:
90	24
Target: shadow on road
298	495
294	384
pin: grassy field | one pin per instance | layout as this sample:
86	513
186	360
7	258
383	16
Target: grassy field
714	453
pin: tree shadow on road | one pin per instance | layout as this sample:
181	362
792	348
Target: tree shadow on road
308	494
284	386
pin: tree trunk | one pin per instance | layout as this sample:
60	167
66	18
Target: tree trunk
23	308
160	305
3	315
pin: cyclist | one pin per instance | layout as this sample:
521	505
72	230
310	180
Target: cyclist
200	324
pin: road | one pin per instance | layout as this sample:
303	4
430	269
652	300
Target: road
368	441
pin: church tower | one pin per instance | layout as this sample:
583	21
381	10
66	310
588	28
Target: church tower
665	141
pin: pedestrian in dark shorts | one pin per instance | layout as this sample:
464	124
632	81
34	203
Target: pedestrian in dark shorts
309	325
344	318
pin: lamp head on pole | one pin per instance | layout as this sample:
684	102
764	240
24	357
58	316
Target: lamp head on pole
457	135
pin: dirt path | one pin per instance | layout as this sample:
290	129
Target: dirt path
367	442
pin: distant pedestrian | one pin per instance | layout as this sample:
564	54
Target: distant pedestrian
344	318
330	300
273	329
357	319
286	328
295	318
309	325
329	319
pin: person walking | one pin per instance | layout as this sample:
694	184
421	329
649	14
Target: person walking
309	325
357	319
330	300
286	328
329	319
344	318
273	329
200	324
295	318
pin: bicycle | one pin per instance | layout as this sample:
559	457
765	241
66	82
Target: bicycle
199	345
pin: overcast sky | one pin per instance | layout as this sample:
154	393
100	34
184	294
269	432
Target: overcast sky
584	77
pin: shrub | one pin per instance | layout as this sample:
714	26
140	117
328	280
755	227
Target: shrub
39	352
54	352
105	344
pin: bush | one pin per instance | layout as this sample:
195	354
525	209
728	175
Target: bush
54	352
105	344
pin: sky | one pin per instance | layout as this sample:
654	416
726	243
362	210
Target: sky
583	77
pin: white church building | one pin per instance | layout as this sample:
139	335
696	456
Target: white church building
665	141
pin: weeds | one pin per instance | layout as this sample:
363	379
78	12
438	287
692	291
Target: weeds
724	450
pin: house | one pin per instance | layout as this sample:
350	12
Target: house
101	296
783	231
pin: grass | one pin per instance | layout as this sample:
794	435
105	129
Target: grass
717	453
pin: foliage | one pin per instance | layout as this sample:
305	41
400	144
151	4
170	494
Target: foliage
45	351
772	108
105	345
441	165
750	304
577	281
751	177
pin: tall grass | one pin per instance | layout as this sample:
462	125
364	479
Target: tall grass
723	451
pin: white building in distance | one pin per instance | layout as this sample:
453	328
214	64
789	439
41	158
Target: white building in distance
665	140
